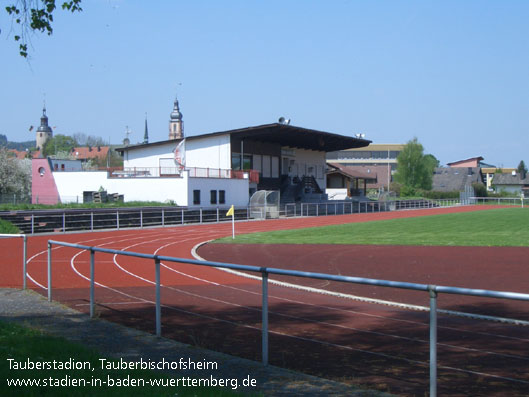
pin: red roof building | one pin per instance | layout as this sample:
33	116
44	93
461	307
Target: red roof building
471	162
90	152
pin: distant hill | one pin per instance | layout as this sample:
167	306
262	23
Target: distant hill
16	145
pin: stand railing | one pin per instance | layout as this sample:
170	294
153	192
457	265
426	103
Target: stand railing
432	290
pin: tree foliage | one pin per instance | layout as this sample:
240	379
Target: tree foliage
31	16
414	168
15	175
88	140
522	169
16	145
59	144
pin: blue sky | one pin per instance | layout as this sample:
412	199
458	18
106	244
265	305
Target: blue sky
455	74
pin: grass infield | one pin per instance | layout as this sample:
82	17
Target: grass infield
25	344
497	227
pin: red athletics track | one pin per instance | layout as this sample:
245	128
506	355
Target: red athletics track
383	347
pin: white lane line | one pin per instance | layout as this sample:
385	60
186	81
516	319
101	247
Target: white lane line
363	299
45	252
292	336
286	315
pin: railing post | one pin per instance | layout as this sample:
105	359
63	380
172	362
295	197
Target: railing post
24	259
264	327
117	220
200	215
92	221
92	276
141	219
32	223
182	216
49	272
217	214
158	306
163	217
64	222
433	340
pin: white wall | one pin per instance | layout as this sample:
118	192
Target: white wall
72	184
149	156
207	152
237	191
336	194
515	189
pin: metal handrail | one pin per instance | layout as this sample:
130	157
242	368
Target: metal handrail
24	255
432	290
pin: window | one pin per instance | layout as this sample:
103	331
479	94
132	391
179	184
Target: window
196	197
236	161
222	197
257	162
42	171
266	166
275	167
213	194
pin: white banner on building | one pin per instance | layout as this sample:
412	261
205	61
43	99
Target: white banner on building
180	155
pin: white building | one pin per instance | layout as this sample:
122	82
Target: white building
273	157
209	170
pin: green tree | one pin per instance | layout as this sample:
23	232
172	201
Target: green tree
414	168
31	16
88	140
522	169
59	144
15	175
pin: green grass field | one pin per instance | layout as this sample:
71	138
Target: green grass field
498	227
22	343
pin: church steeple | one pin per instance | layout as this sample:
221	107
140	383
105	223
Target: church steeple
176	124
44	132
146	135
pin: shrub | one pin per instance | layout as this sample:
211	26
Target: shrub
408	191
479	189
433	194
395	187
7	227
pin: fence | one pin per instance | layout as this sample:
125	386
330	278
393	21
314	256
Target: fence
66	220
15	198
61	221
352	207
432	290
515	201
177	172
24	255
